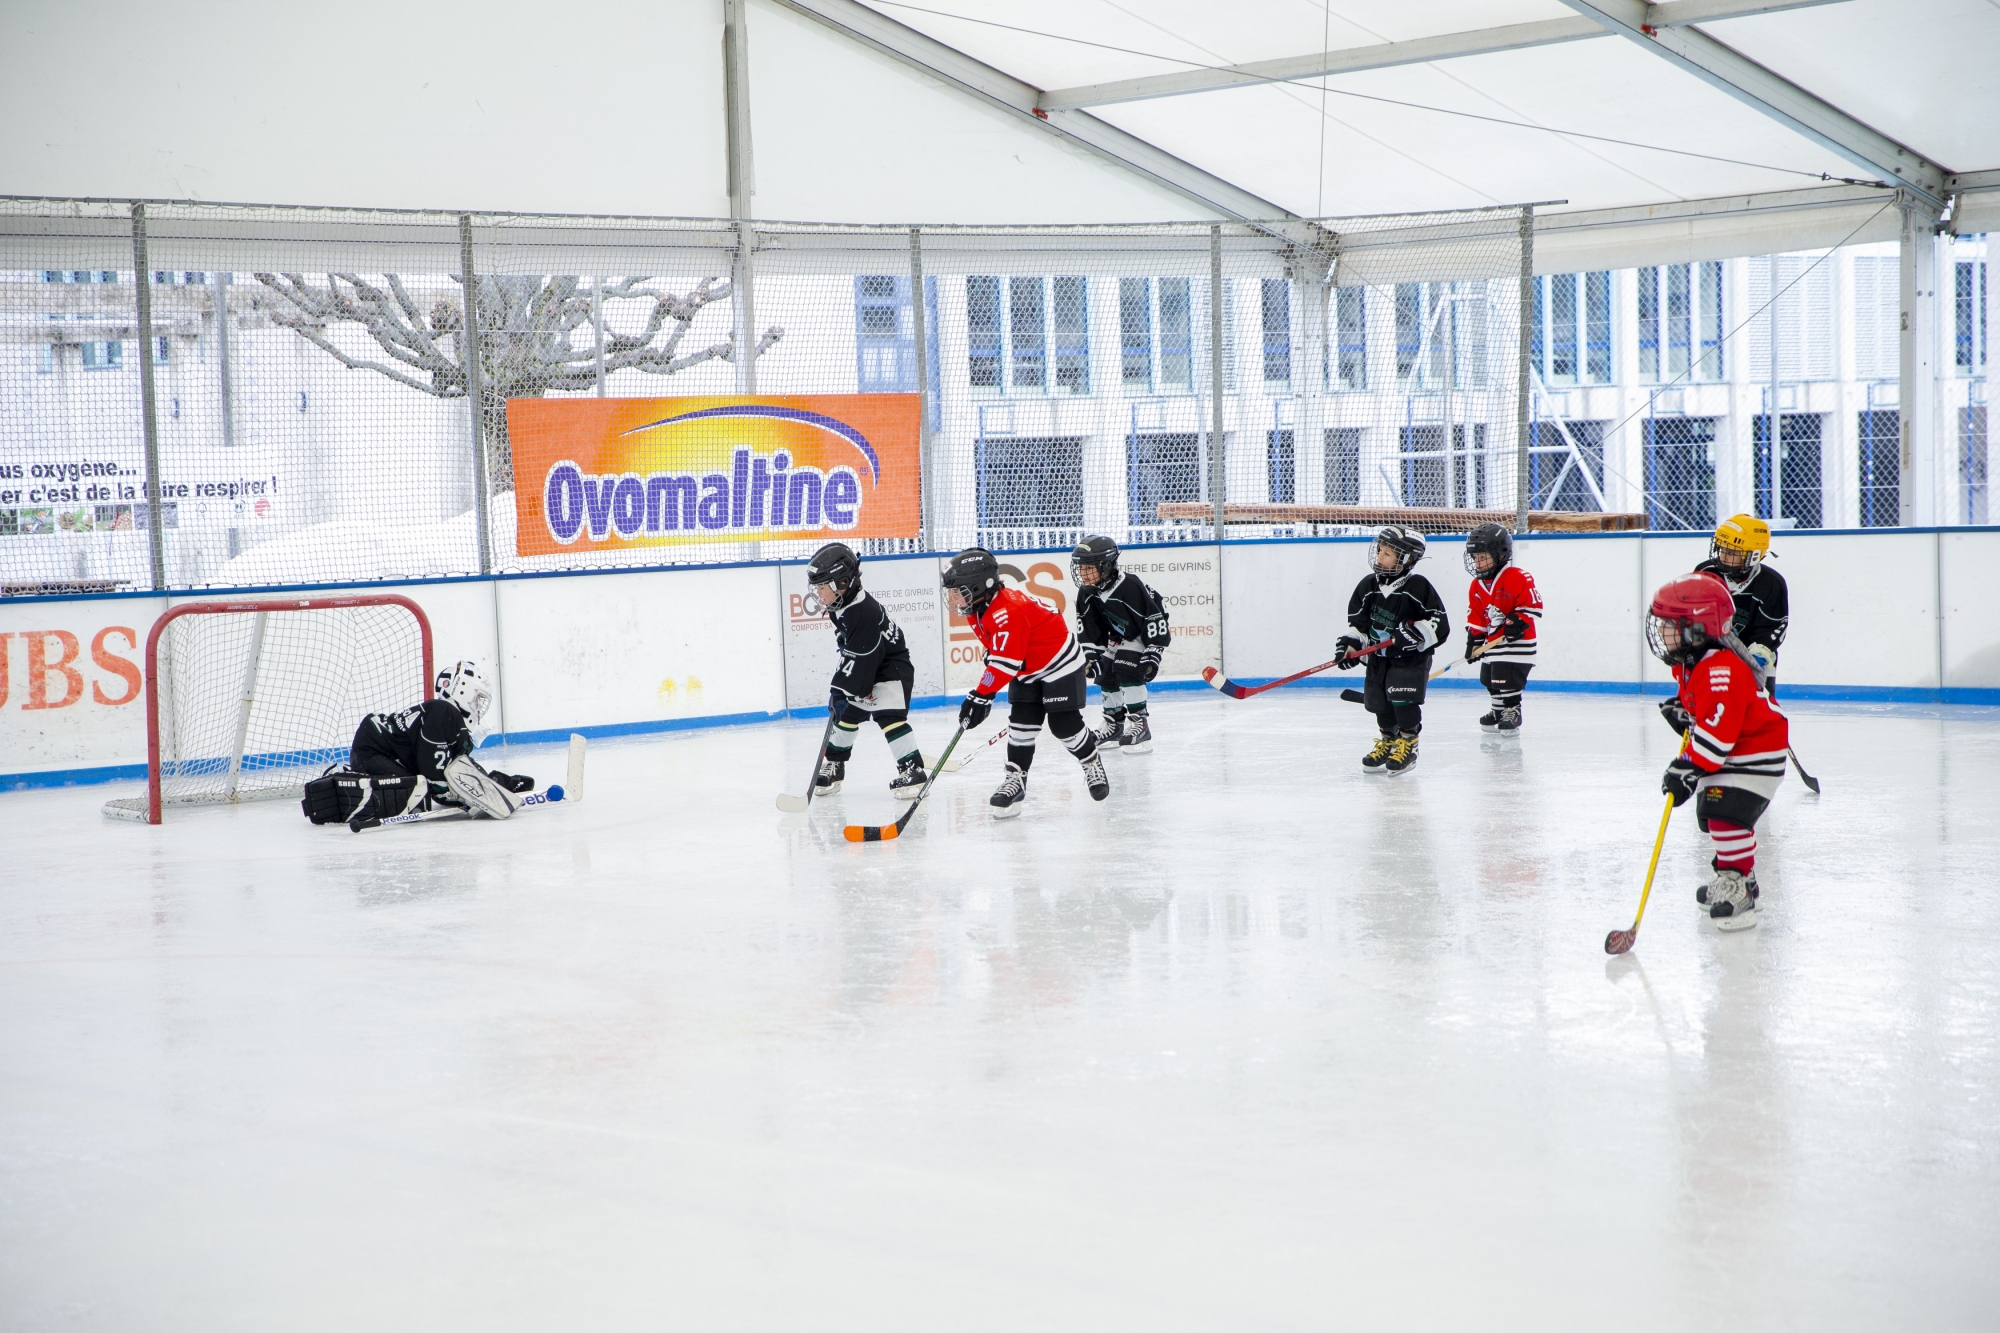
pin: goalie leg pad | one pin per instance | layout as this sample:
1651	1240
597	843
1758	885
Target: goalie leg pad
479	792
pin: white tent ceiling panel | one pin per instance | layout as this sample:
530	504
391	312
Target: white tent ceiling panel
1579	244
1920	71
844	133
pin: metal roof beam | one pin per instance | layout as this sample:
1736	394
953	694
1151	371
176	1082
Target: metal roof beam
932	57
1777	97
1421	50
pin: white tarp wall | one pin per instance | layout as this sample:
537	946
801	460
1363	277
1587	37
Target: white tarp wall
623	653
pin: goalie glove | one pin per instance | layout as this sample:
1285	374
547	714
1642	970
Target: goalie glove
512	782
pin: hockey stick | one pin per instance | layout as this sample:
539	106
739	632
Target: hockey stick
953	765
1621	941
1812	783
1235	691
884	832
796	805
528	800
1357	697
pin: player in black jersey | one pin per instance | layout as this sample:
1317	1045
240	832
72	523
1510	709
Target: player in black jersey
1394	606
1121	625
1763	604
423	754
874	677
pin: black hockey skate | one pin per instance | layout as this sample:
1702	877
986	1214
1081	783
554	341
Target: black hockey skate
1374	760
1013	793
1402	754
1510	718
1094	777
908	783
1138	737
1731	899
1491	718
1113	728
827	781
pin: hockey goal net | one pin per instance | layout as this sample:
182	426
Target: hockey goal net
249	700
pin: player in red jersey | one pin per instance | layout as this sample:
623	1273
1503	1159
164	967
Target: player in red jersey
1030	650
1737	738
1500	624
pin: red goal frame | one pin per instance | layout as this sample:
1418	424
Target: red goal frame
272	605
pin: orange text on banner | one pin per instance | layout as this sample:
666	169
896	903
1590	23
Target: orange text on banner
610	473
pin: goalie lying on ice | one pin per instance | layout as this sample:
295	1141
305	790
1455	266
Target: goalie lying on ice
422	756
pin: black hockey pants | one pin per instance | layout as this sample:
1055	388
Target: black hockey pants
1394	693
1060	701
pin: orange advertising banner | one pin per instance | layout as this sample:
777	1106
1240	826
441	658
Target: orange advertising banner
604	474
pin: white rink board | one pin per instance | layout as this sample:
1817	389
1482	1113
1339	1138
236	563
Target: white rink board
652	648
908	590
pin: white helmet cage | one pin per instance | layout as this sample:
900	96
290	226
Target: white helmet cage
463	686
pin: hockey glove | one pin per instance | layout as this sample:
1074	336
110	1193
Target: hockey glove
1409	637
1093	665
974	710
1515	629
836	701
1149	665
512	782
1472	642
1677	717
1765	658
1680	780
1349	646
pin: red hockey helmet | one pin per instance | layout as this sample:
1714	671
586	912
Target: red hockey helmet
1689	616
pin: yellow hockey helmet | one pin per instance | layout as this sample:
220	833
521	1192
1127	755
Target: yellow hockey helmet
1741	534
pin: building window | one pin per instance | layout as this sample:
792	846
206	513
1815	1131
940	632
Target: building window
1162	467
1030	489
1442	478
1973	464
1969	317
1343	465
1566	464
1799	452
103	356
1282	474
1571	337
1350	339
1277	321
1680	322
1881	477
1155	328
1441	335
1029	335
885	340
1680	473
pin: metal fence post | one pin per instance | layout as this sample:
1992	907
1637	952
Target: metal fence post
156	517
475	393
1524	367
920	330
1218	448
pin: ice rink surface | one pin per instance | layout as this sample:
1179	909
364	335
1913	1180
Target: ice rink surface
1260	1043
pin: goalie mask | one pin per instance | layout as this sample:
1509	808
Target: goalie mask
463	686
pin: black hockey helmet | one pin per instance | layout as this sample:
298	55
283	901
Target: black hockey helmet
836	563
1100	553
1407	544
976	575
1493	539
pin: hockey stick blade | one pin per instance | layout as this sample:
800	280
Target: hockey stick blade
886	832
1812	783
953	765
528	801
798	805
1235	691
1354	696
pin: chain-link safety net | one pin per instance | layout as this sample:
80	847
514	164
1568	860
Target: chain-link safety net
313	397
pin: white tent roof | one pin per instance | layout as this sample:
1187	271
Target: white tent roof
1918	72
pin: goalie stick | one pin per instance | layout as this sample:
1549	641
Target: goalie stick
528	800
885	832
1235	691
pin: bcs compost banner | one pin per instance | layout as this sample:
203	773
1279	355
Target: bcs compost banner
600	474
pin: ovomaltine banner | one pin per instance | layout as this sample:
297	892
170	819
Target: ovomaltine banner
611	473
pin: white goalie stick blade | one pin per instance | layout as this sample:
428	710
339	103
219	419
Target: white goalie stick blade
526	801
573	789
